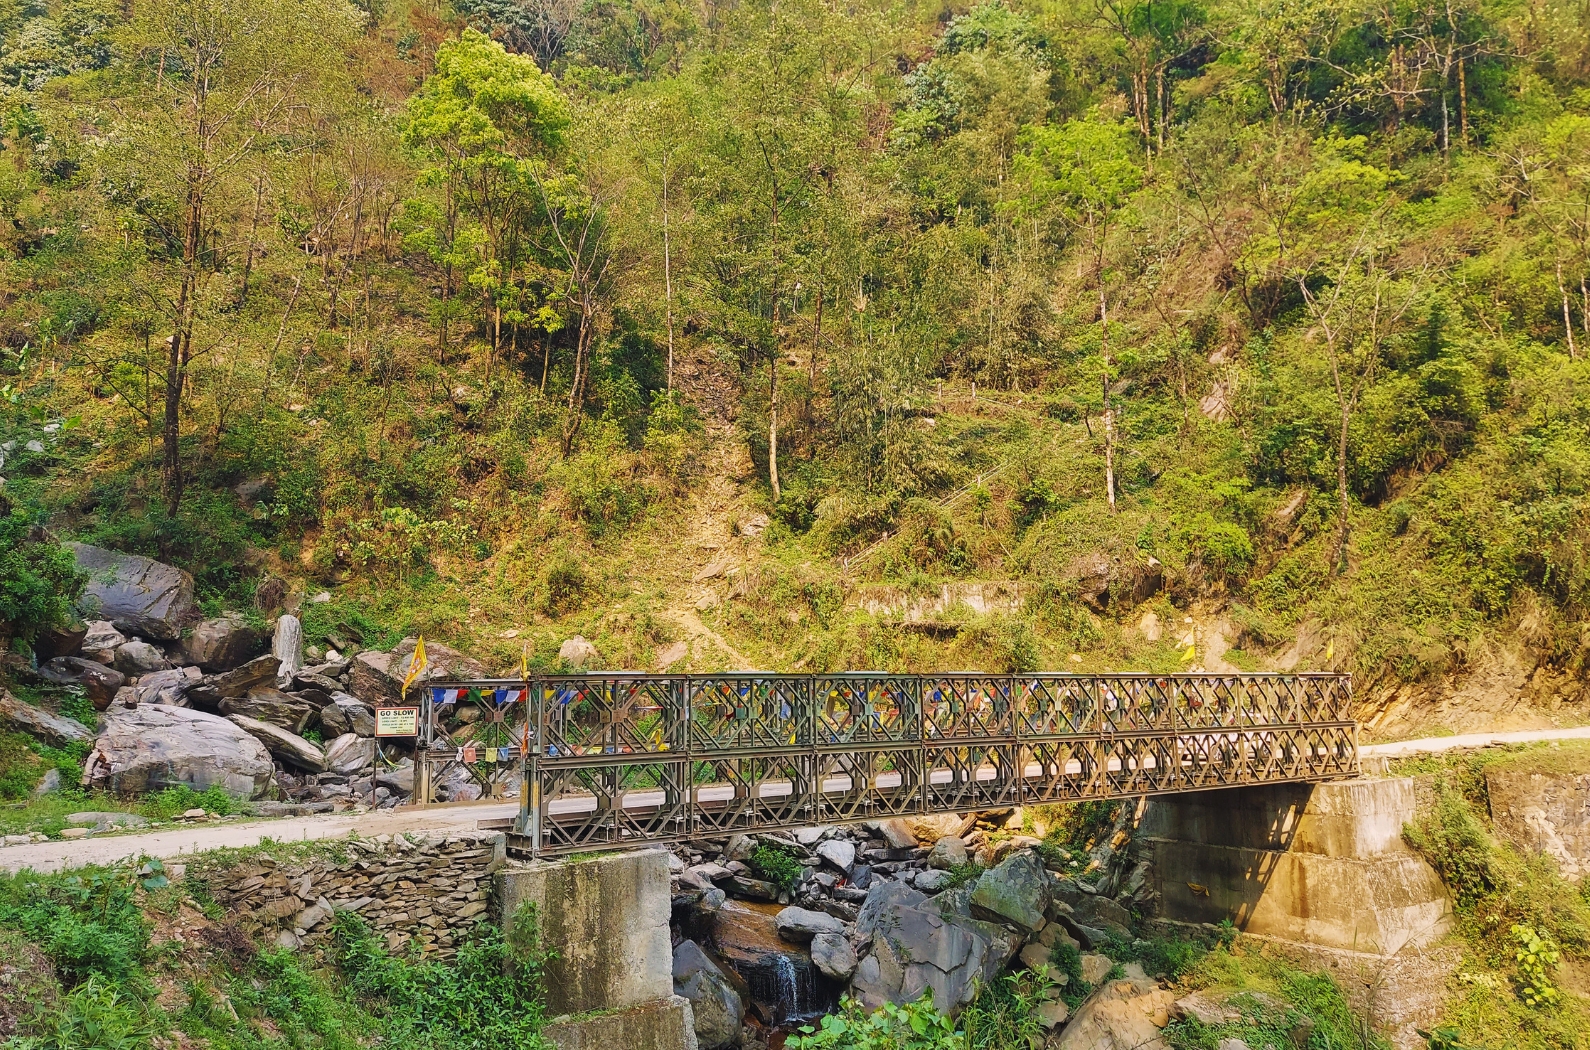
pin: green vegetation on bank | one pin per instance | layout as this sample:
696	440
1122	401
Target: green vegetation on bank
493	319
100	980
1518	919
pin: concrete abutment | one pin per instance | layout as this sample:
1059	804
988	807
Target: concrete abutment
609	981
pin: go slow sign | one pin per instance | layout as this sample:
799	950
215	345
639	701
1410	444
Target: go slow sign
397	721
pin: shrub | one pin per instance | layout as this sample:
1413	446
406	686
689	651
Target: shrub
39	579
87	922
914	1026
93	1016
775	864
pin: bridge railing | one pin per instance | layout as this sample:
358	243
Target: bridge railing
620	759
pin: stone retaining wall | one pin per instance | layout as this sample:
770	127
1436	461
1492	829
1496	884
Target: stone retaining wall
427	890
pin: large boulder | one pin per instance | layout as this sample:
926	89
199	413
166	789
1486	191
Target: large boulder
139	595
800	925
152	747
1125	1014
267	704
918	944
223	643
930	829
347	714
1015	891
53	729
212	689
98	681
291	748
714	1001
138	657
166	687
833	955
349	754
377	678
577	653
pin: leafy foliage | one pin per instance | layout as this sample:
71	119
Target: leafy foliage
776	864
39	580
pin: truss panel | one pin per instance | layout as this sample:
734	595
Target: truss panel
615	760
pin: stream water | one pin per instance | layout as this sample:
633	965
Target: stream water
786	989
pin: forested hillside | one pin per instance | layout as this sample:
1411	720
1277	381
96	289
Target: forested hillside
1061	334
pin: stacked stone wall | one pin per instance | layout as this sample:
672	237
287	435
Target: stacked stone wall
428	891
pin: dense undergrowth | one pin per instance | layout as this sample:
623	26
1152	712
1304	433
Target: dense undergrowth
1336	330
84	944
1521	923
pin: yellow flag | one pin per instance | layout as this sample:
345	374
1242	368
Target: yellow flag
1330	649
1187	657
417	665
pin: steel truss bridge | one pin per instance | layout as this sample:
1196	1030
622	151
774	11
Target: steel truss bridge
618	760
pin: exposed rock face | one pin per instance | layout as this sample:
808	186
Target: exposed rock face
223	643
1016	891
60	641
1544	813
139	595
138	657
152	747
832	954
274	707
349	754
53	729
928	830
289	747
839	853
918	944
166	687
714	1001
98	681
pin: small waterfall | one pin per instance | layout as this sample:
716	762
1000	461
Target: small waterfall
786	997
785	988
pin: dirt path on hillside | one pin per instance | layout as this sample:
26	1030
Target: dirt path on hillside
53	856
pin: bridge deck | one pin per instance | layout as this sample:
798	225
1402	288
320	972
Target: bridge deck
618	760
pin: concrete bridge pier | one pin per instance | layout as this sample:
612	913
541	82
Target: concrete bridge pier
1319	864
610	981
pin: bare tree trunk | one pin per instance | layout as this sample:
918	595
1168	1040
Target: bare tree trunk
1343	526
668	278
1567	315
1109	413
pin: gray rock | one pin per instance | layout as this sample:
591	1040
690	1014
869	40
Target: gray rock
576	652
223	643
948	852
753	889
716	1005
166	687
809	837
347	714
1016	891
98	681
49	784
106	819
799	925
212	689
101	641
349	754
1118	1016
399	780
266	704
917	946
55	730
138	657
1232	1044
839	853
288	647
291	748
139	595
833	955
740	847
1096	919
932	880
152	747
